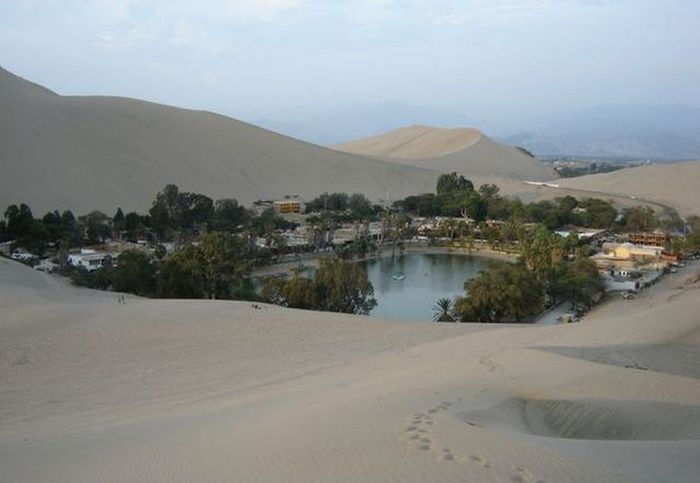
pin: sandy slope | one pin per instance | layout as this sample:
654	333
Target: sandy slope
414	142
676	184
91	390
463	150
87	153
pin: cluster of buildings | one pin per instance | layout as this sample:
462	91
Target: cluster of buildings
634	260
441	224
306	236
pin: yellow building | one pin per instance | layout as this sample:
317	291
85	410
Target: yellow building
628	255
288	206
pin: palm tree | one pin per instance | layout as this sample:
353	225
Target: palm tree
443	310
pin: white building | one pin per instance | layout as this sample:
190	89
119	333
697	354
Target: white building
298	237
89	259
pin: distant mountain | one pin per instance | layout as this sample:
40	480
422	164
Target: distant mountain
83	153
464	150
327	126
646	132
664	132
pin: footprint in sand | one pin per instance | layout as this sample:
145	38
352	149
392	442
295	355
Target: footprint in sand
447	454
481	460
419	434
523	476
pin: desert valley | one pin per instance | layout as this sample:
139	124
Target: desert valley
185	296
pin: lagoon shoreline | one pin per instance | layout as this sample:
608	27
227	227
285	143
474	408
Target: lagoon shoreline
289	268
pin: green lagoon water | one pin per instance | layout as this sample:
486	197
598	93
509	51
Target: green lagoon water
429	277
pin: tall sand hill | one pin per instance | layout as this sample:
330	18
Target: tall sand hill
83	153
464	150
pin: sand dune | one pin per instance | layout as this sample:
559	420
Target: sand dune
676	184
156	390
88	153
414	142
463	150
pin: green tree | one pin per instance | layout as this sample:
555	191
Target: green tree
135	273
213	268
222	263
452	184
229	215
360	207
579	282
337	286
475	207
300	293
182	275
505	292
19	220
96	227
118	216
640	218
343	287
536	251
164	209
443	310
693	238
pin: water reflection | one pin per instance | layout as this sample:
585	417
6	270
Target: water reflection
429	277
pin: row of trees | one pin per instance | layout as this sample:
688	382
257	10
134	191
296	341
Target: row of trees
216	267
355	206
337	286
510	292
213	268
53	229
548	272
174	215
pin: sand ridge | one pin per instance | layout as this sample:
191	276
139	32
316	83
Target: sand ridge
674	184
91	152
414	142
464	150
155	390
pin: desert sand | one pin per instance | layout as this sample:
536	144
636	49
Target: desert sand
95	391
464	150
676	184
414	142
84	153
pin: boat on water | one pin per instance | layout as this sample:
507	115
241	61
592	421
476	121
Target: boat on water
398	277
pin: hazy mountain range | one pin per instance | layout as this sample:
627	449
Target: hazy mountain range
653	132
664	132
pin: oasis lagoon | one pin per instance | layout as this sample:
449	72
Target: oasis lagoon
407	286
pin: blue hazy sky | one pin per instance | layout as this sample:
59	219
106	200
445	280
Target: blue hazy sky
249	55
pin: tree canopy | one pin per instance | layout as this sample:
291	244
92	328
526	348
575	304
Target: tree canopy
337	286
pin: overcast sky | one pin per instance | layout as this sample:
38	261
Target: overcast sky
244	55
